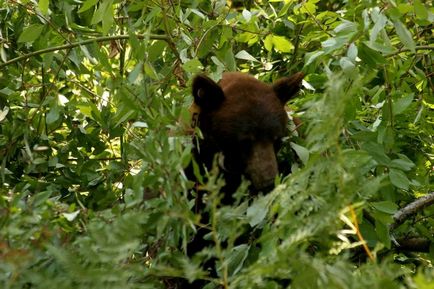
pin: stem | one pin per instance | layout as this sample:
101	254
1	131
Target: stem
83	42
423	47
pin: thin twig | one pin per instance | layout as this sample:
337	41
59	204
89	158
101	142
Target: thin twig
423	47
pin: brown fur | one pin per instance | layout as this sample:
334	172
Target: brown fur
243	119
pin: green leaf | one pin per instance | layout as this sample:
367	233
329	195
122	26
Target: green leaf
352	52
400	105
385	207
376	150
53	115
383	233
193	66
31	33
380	23
87	5
236	259
245	56
420	10
404	35
346	64
133	76
282	44
302	152
402	164
257	212
311	56
399	179
108	16
268	42
370	56
43	6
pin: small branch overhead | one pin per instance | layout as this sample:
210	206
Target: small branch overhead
403	214
83	42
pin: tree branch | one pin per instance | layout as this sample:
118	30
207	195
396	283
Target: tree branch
403	214
83	42
424	47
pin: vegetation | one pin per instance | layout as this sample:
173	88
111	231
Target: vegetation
93	95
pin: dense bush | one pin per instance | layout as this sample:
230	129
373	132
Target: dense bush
93	98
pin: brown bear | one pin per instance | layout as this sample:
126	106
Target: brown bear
243	121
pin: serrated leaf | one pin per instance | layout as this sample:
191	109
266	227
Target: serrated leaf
245	56
87	5
402	104
399	179
302	152
31	33
404	35
385	207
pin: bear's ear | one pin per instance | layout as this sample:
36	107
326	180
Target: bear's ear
286	87
207	94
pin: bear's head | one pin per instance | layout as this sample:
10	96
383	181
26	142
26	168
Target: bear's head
243	121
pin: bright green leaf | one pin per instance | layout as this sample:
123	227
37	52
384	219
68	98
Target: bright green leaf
282	44
31	33
268	42
193	66
43	6
87	5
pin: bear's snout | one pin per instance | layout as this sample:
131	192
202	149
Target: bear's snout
262	166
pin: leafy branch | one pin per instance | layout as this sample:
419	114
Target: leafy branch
83	42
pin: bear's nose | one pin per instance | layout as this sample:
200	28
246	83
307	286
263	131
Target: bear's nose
262	166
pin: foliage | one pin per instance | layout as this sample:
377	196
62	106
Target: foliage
93	95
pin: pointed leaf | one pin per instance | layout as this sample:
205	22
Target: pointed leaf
31	33
404	35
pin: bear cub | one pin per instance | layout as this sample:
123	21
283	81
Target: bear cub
242	121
